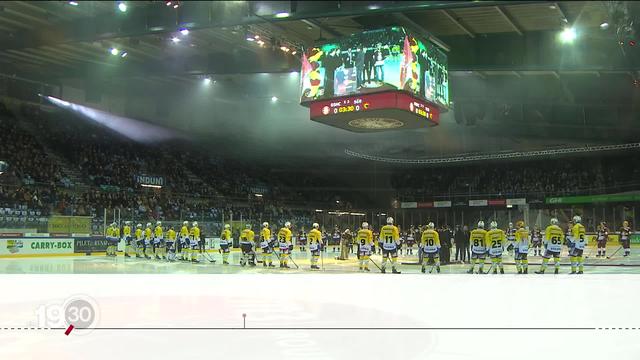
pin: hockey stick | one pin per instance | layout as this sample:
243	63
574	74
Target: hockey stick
610	256
374	263
589	254
289	256
493	264
208	256
432	267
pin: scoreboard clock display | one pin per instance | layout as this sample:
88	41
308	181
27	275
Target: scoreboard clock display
377	80
376	112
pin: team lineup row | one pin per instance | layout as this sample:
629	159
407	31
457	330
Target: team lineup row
187	245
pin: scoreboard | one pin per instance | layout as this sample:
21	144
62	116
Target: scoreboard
376	80
376	112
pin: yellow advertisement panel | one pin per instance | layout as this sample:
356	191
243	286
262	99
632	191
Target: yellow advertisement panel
70	224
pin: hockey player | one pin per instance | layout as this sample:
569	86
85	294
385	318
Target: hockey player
536	241
577	245
602	236
302	240
335	238
315	242
552	245
511	237
110	235
430	246
170	244
495	241
389	241
139	241
266	246
284	242
364	237
478	248
147	241
521	248
247	237
126	236
411	240
158	241
225	244
194	239
184	242
625	238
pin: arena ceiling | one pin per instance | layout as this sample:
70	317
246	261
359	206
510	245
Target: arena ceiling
503	55
54	39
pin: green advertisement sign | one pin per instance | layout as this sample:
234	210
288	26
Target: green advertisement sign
587	199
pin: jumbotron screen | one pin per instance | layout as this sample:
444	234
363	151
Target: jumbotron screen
374	61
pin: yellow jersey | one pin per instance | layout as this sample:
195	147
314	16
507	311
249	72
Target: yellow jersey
226	235
315	239
314	236
116	232
494	241
553	236
138	234
158	231
247	235
430	241
284	236
126	231
147	233
522	234
522	240
171	234
195	233
184	232
265	234
477	240
364	237
578	233
389	236
110	231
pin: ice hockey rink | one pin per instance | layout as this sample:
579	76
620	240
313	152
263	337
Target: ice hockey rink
100	264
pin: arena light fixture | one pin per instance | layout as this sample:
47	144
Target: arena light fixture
124	54
604	25
114	51
258	195
250	38
151	186
207	81
122	6
175	40
282	15
274	98
568	35
184	31
73	3
319	210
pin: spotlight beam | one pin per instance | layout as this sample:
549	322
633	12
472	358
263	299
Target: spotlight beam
136	130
